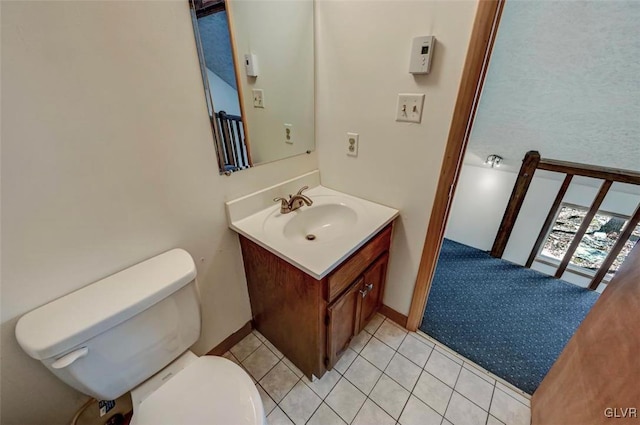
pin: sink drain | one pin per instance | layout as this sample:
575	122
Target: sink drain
310	237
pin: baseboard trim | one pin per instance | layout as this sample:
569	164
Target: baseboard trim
390	313
245	330
231	340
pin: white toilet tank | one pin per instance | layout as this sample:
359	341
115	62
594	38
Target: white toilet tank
110	336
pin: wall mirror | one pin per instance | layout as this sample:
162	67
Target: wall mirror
257	63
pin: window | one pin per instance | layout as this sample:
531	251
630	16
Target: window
596	244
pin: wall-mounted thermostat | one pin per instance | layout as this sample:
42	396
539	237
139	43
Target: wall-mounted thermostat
251	65
421	54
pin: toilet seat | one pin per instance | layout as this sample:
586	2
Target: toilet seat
209	391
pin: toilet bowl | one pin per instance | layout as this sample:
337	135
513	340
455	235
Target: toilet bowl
131	332
206	390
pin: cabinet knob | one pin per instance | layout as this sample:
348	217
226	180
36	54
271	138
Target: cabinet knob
367	288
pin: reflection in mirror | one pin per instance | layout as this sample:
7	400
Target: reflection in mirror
213	39
261	110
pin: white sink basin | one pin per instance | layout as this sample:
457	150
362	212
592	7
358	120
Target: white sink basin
324	221
316	238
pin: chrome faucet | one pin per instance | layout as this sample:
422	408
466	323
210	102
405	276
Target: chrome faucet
294	202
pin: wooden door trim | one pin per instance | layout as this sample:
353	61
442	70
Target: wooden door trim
476	64
237	64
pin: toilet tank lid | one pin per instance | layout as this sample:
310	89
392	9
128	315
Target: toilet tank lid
62	324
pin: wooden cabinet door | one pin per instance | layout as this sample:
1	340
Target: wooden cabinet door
372	290
342	322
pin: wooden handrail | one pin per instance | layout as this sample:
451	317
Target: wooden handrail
595	206
530	163
594	171
613	254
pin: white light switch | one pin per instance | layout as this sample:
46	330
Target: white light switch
258	98
409	108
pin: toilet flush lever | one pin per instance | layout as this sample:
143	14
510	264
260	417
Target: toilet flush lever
67	359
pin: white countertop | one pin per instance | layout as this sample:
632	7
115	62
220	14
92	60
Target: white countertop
318	257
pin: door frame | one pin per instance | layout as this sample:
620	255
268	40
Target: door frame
483	34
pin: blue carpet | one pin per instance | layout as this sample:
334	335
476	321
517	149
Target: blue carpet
508	319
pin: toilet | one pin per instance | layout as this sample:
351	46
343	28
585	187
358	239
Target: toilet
131	332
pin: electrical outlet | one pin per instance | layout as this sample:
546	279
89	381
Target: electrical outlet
409	108
288	133
258	98
352	144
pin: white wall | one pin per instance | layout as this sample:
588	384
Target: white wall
108	159
225	97
280	33
363	60
482	196
478	205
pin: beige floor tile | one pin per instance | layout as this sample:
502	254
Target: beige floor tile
300	403
258	335
359	341
345	361
418	413
449	353
372	414
461	411
323	386
403	371
293	367
267	402
279	381
325	416
346	400
391	334
482	373
389	395
474	388
378	353
434	392
443	368
518	395
509	410
363	374
273	348
374	323
260	362
244	348
415	349
277	417
493	421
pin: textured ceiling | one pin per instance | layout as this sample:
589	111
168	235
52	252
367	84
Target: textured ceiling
564	79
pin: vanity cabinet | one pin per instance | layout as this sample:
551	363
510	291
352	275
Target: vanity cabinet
351	312
313	321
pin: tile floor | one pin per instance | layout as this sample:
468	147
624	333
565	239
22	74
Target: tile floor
388	376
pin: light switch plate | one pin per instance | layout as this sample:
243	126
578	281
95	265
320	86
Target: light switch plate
352	144
258	98
409	108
